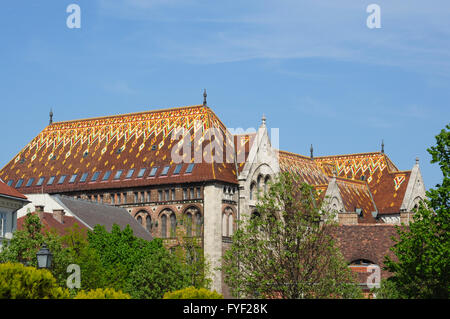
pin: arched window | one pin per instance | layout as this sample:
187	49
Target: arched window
252	191
266	182
224	225
139	219
255	214
258	182
173	225
148	223
164	226
189	224
230	225
198	221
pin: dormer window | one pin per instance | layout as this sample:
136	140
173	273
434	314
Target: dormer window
30	182
130	173
40	181
153	171
106	176
165	170
51	180
73	178
190	168
118	174
141	172
19	183
95	176
61	179
177	169
84	177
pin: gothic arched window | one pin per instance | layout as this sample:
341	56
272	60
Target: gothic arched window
198	221
173	225
164	226
148	223
188	224
139	219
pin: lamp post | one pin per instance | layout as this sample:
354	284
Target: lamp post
44	257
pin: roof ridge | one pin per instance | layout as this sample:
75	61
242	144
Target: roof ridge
295	154
352	154
129	114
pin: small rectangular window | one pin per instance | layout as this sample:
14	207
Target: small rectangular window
51	180
165	171
40	181
73	178
160	195
177	169
95	176
136	197
190	168
185	193
118	174
61	179
192	193
112	199
10	182
199	192
84	177
130	173
106	176
19	183
141	172
167	197
173	194
118	199
30	182
153	171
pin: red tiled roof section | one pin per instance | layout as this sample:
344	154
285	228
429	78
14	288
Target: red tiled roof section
9	191
356	194
387	185
243	144
49	223
305	167
122	142
369	242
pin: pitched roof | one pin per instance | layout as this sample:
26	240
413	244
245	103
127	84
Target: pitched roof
92	214
10	192
121	142
49	223
306	167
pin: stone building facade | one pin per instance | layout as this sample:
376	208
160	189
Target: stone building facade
173	174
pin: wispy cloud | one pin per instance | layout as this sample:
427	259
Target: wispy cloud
414	35
119	87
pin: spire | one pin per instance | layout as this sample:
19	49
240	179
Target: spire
312	151
417	160
382	146
51	117
204	98
263	120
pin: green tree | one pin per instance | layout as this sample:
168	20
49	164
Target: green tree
156	274
422	250
20	282
287	250
107	293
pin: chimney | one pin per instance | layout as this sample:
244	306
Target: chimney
39	209
58	214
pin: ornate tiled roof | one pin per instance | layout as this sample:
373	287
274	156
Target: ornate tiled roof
105	145
306	167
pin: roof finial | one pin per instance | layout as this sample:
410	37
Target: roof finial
263	120
51	116
312	151
382	146
417	160
204	97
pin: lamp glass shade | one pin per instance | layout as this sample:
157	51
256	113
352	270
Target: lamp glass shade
44	257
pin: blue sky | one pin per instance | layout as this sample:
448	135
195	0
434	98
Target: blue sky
312	67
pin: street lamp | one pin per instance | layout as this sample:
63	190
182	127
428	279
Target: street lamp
44	257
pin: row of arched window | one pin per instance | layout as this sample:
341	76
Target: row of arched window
192	219
259	185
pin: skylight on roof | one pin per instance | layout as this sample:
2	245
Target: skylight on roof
153	171
61	179
95	176
51	180
84	177
177	169
40	181
10	182
106	176
190	168
118	174
19	183
165	170
141	172
73	178
130	173
30	182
